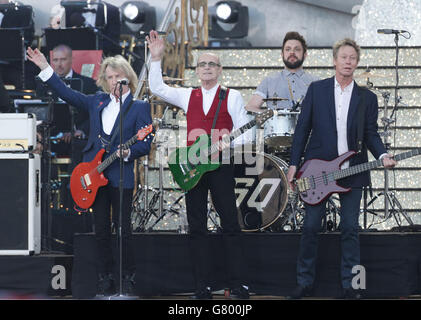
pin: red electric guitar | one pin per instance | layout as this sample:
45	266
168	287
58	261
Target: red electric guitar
88	177
316	179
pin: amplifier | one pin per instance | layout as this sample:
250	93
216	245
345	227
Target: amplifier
17	132
20	204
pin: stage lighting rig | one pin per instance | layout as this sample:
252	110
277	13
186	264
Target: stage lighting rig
228	20
137	18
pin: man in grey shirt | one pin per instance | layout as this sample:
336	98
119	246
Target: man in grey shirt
291	83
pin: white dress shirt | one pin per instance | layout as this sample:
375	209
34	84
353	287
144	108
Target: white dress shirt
90	17
70	74
342	102
180	97
110	113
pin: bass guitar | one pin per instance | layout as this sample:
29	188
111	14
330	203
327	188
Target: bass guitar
187	171
316	179
88	177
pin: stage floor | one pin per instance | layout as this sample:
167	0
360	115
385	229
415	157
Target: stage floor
392	262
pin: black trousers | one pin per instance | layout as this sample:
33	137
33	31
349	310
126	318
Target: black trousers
221	185
107	198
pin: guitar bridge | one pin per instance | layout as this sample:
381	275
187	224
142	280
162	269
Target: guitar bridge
82	182
85	181
303	184
183	170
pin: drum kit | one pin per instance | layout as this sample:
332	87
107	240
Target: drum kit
264	201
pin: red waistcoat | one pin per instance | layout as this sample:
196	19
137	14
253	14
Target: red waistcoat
196	119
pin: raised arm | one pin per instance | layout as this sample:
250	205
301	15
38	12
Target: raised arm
38	58
47	75
156	46
176	96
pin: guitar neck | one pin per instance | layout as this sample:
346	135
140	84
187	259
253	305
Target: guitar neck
340	174
104	165
234	135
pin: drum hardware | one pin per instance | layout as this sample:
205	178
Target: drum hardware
261	189
292	218
214	224
142	216
332	212
392	206
170	79
161	102
141	213
279	130
369	75
296	104
275	99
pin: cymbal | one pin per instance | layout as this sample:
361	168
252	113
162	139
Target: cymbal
369	74
160	102
173	79
275	99
164	103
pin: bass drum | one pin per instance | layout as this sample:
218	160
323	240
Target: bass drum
261	189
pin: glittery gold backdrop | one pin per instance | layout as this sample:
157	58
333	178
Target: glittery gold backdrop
244	69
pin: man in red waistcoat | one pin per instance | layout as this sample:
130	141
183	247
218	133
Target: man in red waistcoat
200	106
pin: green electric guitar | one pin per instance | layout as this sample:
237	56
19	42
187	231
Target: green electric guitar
188	164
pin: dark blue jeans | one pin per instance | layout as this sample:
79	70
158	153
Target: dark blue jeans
350	245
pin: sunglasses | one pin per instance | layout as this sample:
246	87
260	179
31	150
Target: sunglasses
210	64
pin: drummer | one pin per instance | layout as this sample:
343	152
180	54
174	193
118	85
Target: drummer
289	86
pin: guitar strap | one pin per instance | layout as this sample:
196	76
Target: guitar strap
222	95
117	129
361	118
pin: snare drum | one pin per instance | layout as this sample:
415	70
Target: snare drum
279	130
261	190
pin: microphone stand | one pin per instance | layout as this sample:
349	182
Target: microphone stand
120	295
390	198
387	124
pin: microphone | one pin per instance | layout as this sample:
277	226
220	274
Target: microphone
124	81
390	31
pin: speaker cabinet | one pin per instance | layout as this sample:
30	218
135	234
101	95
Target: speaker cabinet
20	204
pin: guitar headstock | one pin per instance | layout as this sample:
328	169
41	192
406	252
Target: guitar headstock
264	116
143	133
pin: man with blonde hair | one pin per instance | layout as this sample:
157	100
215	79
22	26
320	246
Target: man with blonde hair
334	113
104	115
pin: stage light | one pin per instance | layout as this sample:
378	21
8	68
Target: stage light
227	11
133	13
229	20
138	17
